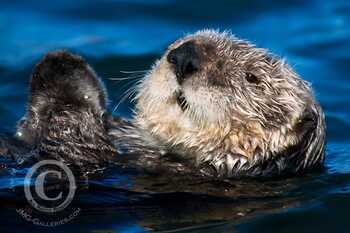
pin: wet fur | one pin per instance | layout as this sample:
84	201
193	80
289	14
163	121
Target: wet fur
230	128
237	128
65	117
67	120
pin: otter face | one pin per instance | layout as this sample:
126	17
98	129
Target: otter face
218	79
212	93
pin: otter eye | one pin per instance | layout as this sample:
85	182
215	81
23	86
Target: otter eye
251	78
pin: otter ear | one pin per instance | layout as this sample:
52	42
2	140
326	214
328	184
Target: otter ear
311	143
307	124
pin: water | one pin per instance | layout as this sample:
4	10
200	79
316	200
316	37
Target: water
129	35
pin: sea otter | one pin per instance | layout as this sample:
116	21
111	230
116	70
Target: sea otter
230	109
65	116
67	120
213	105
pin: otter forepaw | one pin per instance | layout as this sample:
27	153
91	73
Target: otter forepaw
230	165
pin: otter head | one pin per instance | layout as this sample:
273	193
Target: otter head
212	95
66	106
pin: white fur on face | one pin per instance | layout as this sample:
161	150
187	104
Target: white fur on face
233	117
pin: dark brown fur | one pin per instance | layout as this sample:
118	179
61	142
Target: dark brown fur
65	115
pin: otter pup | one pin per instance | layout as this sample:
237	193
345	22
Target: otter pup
65	117
230	108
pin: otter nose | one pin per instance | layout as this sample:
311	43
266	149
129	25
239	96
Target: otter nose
186	60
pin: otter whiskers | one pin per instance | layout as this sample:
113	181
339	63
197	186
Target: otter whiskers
134	78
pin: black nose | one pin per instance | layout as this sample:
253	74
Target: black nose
186	60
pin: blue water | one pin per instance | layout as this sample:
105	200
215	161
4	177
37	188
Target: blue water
121	35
